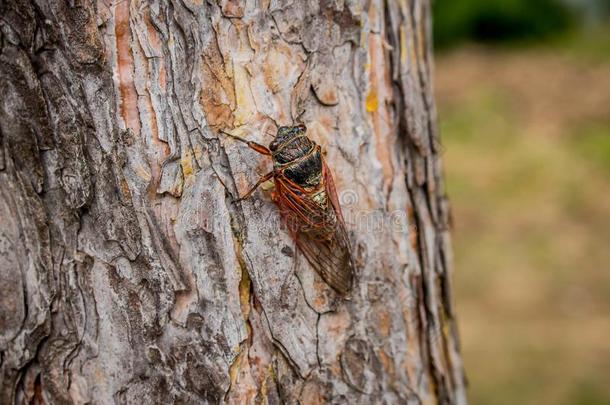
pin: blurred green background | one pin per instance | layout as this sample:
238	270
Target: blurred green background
523	91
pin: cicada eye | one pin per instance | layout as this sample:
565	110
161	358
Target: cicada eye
273	146
302	127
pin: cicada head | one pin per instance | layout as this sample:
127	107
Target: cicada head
290	143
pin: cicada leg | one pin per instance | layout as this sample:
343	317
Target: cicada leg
253	189
262	149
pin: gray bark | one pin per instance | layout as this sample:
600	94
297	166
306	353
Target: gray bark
127	275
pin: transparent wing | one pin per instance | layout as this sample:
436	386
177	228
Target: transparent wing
319	230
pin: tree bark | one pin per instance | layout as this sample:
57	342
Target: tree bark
128	275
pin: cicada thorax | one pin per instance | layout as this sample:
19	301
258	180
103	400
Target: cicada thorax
299	166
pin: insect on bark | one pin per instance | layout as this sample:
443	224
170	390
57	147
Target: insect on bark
306	197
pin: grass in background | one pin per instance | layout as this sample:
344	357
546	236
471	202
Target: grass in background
526	136
591	44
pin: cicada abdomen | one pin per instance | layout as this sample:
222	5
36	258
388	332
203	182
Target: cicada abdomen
306	197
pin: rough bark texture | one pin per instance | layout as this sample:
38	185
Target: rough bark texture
127	275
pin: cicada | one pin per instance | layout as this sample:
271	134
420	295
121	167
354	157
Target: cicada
307	200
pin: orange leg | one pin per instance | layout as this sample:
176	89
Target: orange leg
256	146
258	183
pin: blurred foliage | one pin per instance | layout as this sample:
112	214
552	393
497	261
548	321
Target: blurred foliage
457	21
594	144
591	45
526	140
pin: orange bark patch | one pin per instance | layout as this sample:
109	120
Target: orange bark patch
217	114
385	323
233	8
243	387
129	96
388	364
413	230
217	97
380	93
125	188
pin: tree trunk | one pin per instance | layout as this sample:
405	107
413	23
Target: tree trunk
128	273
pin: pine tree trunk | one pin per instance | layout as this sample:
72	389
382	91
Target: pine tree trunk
127	272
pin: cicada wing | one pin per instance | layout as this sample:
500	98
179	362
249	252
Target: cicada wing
341	235
320	233
334	199
330	258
